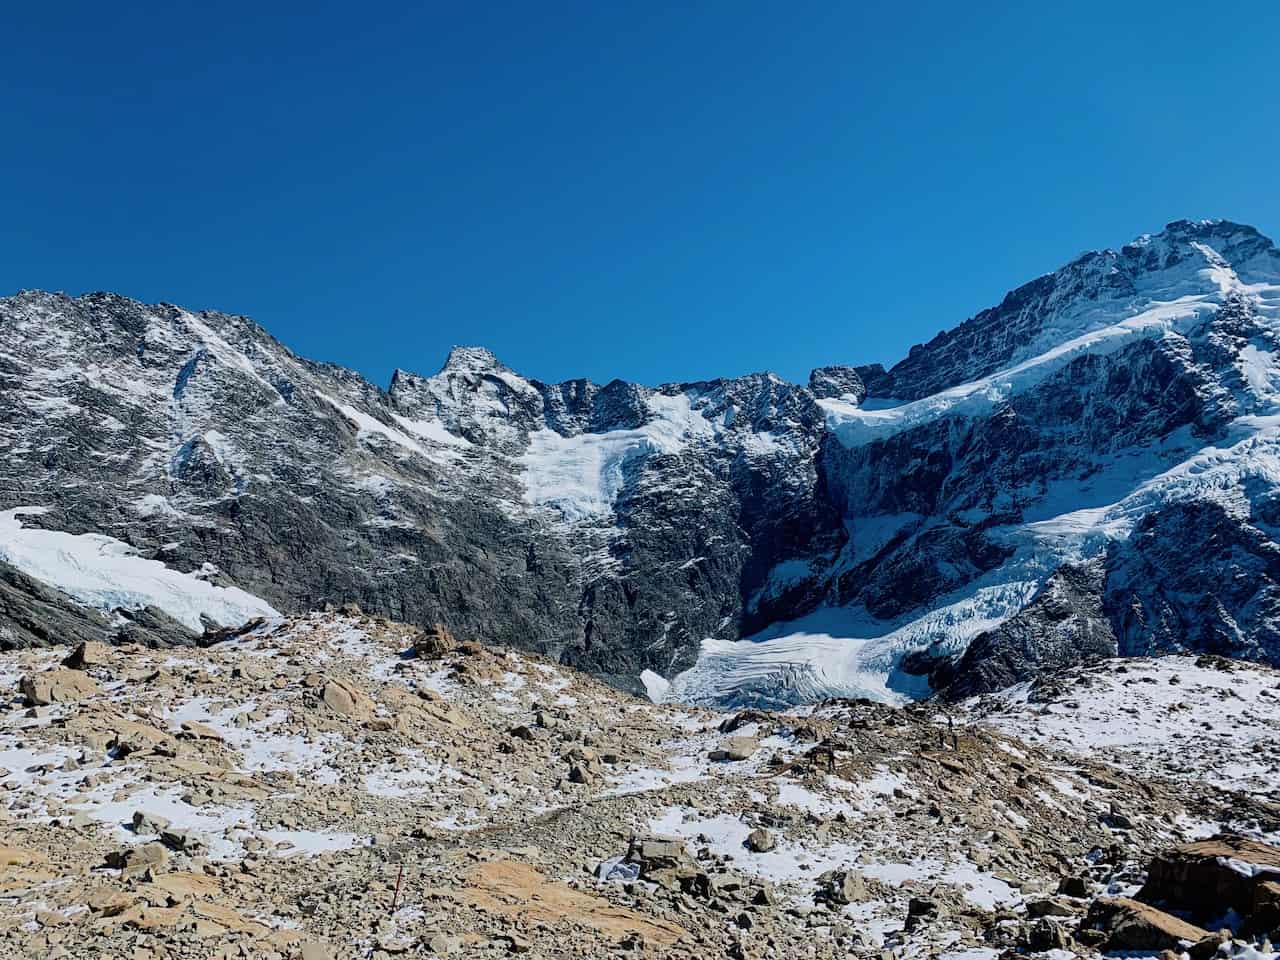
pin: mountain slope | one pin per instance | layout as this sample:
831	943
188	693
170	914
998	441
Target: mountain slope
749	540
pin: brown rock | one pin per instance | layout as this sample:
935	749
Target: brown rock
253	668
58	686
91	653
736	748
760	841
200	731
149	824
146	855
1204	878
841	887
347	699
132	736
1264	910
434	643
20	857
181	884
1131	925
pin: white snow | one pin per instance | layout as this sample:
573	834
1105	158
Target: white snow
1168	716
103	572
855	426
432	430
581	476
367	426
841	652
655	685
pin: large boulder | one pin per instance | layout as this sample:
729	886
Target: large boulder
663	860
434	643
841	887
734	749
1206	878
90	653
346	698
1131	925
58	686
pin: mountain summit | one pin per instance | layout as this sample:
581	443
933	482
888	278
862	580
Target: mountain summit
1088	468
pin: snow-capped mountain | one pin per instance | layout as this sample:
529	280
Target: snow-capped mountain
1088	468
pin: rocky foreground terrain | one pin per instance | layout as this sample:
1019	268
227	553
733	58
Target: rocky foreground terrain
338	785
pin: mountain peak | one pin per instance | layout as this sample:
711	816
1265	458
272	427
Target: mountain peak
463	359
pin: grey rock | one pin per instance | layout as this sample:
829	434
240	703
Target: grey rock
760	841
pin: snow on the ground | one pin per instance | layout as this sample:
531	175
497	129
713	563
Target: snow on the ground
442	447
792	862
259	748
103	572
854	426
1183	717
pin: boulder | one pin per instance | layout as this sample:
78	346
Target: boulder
920	911
662	860
134	736
1205	878
253	668
434	643
347	699
841	887
1264	910
760	841
1046	935
149	824
199	731
143	856
181	840
58	686
735	748
1132	925
1053	907
90	653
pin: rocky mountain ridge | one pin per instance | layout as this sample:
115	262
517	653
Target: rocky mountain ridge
733	541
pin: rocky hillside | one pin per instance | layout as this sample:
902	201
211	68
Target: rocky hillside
1087	469
338	786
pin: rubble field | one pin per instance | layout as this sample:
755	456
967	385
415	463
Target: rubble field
338	785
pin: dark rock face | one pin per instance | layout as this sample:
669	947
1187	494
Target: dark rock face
993	338
827	382
1196	577
1063	626
197	438
33	614
1088	466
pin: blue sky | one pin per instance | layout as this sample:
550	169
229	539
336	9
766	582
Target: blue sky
636	190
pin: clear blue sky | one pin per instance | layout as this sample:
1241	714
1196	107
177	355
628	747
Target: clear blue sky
641	190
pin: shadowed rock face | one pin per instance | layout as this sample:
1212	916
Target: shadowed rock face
1115	481
1063	626
1196	577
